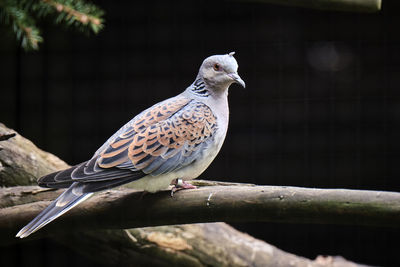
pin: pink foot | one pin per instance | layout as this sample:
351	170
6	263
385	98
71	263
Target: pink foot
180	184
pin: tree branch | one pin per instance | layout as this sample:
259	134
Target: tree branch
232	203
87	14
368	6
206	244
22	16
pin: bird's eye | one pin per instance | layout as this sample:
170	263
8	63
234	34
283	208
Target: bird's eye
217	67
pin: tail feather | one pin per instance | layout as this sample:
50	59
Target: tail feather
66	201
60	179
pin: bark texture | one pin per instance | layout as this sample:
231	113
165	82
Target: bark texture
205	244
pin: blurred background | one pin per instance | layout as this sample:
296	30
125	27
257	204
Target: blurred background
321	107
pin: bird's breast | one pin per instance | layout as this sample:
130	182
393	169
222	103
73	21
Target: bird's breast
205	158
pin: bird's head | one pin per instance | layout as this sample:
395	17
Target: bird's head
220	71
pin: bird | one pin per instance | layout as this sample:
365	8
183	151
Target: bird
167	144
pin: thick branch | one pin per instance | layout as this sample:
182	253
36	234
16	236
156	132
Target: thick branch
206	244
126	208
214	244
337	5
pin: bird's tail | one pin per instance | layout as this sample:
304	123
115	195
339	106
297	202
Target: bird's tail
66	201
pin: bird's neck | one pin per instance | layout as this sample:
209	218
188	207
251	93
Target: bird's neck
200	88
216	99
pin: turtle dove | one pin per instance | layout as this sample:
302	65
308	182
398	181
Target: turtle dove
172	141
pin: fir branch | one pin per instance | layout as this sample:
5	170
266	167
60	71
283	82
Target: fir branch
21	15
76	13
22	24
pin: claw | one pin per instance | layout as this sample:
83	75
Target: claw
180	184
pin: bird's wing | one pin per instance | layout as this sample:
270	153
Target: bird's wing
157	146
162	139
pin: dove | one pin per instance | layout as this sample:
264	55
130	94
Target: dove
168	143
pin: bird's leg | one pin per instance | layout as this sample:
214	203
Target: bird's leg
180	184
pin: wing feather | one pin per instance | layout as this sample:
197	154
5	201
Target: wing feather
164	138
164	144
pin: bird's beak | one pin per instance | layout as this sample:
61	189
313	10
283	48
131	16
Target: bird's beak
237	79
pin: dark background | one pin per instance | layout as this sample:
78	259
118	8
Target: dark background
321	107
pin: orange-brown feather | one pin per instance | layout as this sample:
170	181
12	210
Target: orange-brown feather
153	134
